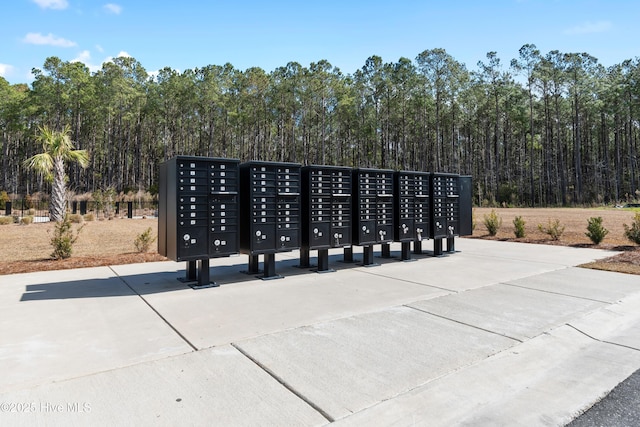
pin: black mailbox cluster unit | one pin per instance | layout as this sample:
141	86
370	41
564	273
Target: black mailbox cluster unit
270	212
412	205
373	211
198	212
326	209
217	207
451	217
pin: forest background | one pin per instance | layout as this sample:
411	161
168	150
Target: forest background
552	129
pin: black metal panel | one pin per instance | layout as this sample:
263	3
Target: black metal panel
198	208
466	205
373	212
270	207
326	207
411	206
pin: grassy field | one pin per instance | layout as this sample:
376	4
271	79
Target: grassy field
25	248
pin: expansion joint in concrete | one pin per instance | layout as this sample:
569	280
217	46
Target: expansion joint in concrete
285	384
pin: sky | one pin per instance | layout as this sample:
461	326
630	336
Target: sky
189	34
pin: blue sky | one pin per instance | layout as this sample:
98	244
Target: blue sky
189	33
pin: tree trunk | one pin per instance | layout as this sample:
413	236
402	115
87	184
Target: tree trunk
57	204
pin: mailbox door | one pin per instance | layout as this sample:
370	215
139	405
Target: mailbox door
438	207
452	206
404	207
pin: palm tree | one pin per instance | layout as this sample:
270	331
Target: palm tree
57	148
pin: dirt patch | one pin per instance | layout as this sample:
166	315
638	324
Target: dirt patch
27	248
575	222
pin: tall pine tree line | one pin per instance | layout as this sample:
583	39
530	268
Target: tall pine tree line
554	129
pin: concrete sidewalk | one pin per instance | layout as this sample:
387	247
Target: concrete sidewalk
497	333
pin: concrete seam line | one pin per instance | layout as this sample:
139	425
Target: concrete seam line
555	293
411	281
155	311
463	323
284	383
602	341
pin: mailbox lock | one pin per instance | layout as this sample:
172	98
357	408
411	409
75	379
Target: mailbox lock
282	238
258	233
315	231
186	237
216	242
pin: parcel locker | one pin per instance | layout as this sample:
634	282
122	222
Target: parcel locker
326	212
466	205
198	212
270	212
373	213
411	209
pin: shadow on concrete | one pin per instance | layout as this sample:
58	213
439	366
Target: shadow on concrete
169	280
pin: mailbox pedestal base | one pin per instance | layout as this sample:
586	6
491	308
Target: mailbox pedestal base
367	256
348	254
197	275
191	272
405	251
385	251
437	247
204	280
417	247
270	267
323	261
305	258
451	245
253	266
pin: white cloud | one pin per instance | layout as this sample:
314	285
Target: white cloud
123	54
99	48
116	9
52	4
5	70
49	39
589	28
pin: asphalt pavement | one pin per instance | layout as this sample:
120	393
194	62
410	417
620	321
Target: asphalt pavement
497	333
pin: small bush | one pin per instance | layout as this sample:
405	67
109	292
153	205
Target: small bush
89	217
595	231
553	229
64	238
31	212
76	218
633	233
493	222
144	240
26	220
518	225
6	220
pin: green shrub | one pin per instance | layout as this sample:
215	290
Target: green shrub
89	217
493	222
633	233
26	220
595	231
144	240
4	198
6	220
518	225
31	212
553	229
64	238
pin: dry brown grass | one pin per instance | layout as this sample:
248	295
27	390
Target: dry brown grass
25	248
